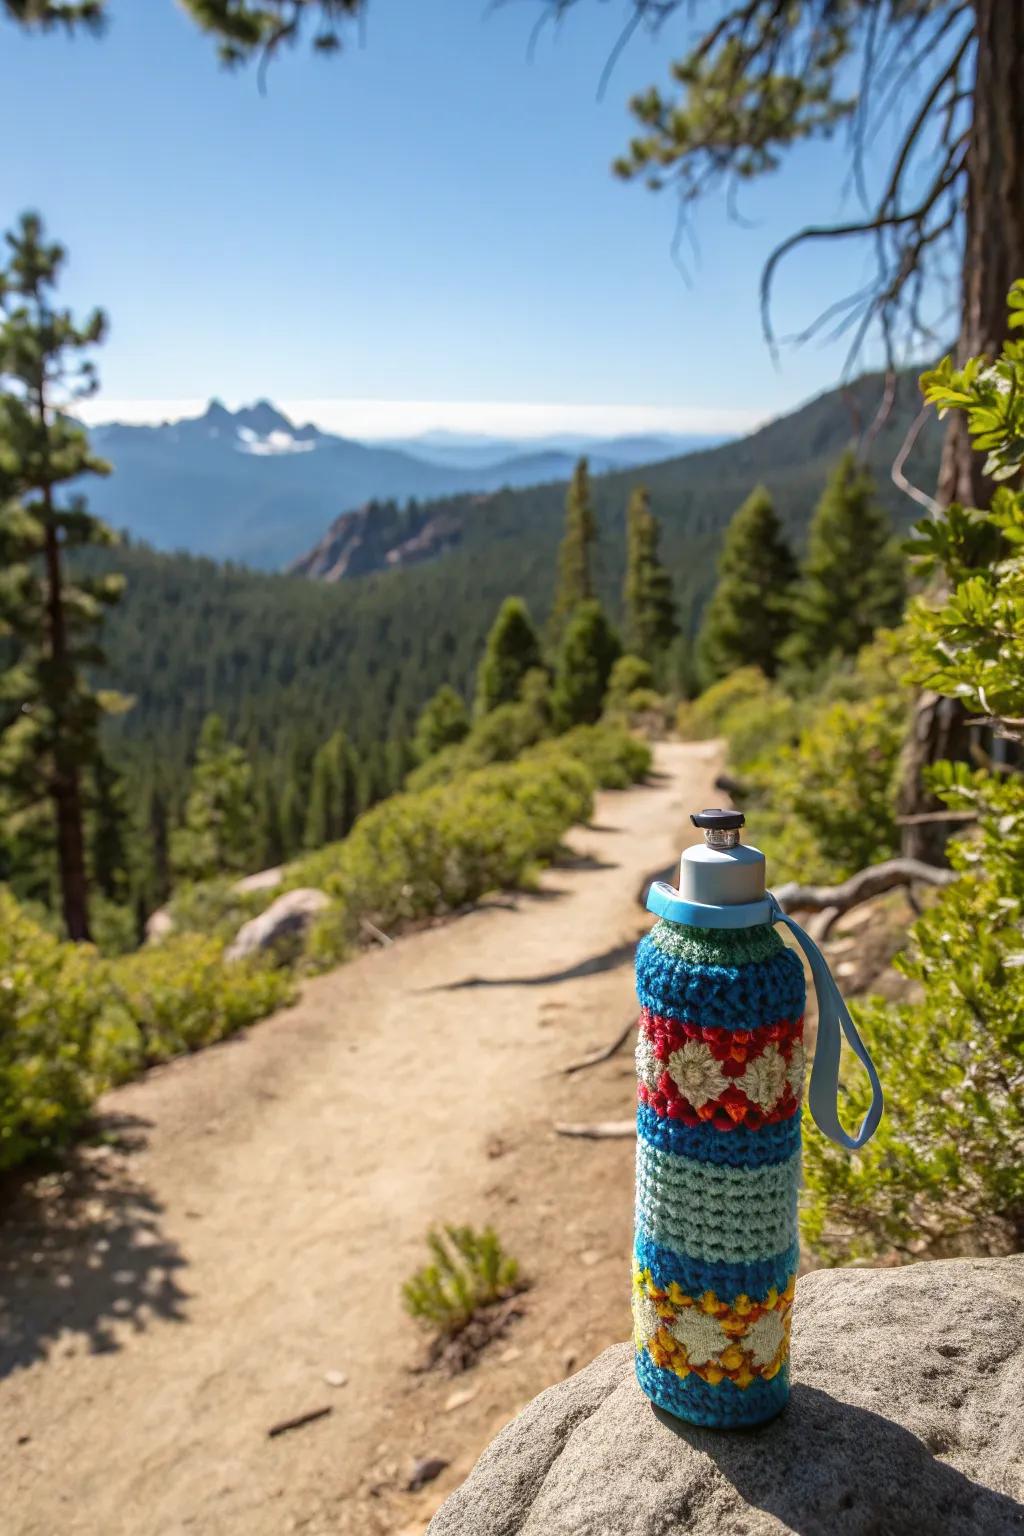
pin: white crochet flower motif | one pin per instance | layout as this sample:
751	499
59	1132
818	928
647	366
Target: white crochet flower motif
764	1338
646	1321
765	1078
649	1068
795	1070
700	1335
696	1073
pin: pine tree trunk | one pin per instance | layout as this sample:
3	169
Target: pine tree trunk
65	788
993	259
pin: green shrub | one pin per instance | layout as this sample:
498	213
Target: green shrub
73	1022
824	808
178	996
497	737
50	1007
944	1170
470	1270
613	758
754	716
420	854
711	713
215	909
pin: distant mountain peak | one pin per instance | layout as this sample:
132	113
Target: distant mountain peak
216	414
263	418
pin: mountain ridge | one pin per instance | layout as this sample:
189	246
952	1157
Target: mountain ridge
251	485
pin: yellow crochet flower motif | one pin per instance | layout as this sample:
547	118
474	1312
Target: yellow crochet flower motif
711	1338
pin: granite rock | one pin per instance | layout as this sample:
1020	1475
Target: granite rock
906	1419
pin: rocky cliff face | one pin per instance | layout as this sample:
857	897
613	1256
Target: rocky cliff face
380	537
904	1420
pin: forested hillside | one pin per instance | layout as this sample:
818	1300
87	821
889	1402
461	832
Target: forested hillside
284	659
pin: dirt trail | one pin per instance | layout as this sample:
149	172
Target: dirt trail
190	1285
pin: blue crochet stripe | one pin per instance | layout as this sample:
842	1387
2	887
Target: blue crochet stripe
740	1148
753	1278
724	1406
725	996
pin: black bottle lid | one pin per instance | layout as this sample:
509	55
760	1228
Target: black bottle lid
718	820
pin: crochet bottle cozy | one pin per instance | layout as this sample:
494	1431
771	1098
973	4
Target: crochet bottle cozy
720	1064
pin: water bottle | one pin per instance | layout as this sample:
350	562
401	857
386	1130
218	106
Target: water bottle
720	1069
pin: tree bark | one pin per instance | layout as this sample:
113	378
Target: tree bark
65	788
993	258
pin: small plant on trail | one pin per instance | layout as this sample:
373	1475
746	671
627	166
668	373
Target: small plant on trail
470	1271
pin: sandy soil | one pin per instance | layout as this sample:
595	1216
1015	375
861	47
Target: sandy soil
184	1288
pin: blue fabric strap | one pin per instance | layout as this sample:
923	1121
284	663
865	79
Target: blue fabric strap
834	1022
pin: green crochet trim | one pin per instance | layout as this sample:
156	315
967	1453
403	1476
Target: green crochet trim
716	946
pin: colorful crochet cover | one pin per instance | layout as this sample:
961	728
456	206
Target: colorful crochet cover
720	1064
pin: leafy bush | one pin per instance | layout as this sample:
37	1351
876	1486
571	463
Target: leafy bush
497	737
756	717
818	771
178	996
73	1022
419	854
50	1007
613	758
825	807
628	674
470	1270
718	706
944	1171
215	908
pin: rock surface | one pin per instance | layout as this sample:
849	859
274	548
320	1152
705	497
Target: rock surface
285	919
262	880
906	1419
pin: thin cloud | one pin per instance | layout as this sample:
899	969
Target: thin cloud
370	419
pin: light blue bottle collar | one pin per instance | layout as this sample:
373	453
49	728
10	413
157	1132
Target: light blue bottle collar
834	1021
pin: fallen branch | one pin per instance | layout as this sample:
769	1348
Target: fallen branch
598	1130
861	887
732	786
297	1423
920	817
375	932
605	1053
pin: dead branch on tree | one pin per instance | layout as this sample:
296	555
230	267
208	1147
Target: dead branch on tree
832	901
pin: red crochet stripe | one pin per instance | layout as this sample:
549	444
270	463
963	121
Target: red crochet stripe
732	1049
725	1113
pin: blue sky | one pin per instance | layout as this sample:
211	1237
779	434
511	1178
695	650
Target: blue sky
421	232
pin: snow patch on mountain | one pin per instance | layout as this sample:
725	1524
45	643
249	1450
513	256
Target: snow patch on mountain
277	441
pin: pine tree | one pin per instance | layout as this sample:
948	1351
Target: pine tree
748	616
512	649
149	855
647	593
332	796
851	581
588	652
219	832
49	715
291	817
268	815
575	576
443	722
108	831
